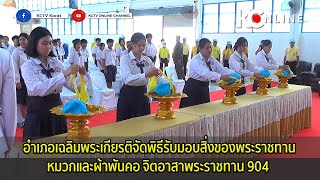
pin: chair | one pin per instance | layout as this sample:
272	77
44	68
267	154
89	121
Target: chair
312	78
177	83
101	94
304	66
118	84
66	95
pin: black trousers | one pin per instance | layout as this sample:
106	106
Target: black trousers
256	85
226	63
184	63
163	61
96	62
197	91
153	59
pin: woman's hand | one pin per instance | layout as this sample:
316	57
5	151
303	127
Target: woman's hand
152	72
73	69
82	71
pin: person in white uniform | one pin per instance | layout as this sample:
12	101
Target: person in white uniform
45	77
75	55
121	50
19	58
150	49
99	57
95	49
58	50
265	60
240	63
203	69
136	70
85	53
109	62
8	104
15	40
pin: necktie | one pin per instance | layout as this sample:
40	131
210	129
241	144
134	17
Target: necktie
208	64
141	66
243	63
58	54
46	71
267	58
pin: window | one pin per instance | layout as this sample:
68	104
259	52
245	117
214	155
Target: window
266	7
86	26
49	25
210	18
67	26
48	4
276	26
103	1
30	3
103	27
94	26
242	9
112	0
61	3
73	28
311	16
121	26
61	26
54	26
54	4
66	3
25	4
85	1
36	5
112	26
227	17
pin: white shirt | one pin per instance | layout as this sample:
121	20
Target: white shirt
95	50
19	58
236	65
109	56
131	74
262	61
150	50
76	58
8	103
99	59
58	52
85	54
120	52
38	84
200	71
9	48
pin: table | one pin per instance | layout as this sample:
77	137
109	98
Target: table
270	118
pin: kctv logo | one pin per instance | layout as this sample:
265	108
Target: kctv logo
258	18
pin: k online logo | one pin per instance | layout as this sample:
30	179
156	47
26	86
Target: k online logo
258	18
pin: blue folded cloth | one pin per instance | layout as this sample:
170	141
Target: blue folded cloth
286	73
163	89
75	107
265	73
233	80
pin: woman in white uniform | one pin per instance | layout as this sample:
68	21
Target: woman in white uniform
8	103
136	70
19	58
75	56
240	63
265	60
45	77
203	69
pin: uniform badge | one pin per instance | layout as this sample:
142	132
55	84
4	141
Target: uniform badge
57	69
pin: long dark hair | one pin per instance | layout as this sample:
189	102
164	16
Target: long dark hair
241	41
35	35
266	43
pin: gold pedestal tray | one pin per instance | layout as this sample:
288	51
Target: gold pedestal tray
263	86
165	104
79	130
230	97
284	80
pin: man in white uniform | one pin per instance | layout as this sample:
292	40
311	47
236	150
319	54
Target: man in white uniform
8	103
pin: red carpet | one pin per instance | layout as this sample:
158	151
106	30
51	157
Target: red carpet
308	140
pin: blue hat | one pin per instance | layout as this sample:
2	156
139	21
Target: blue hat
292	40
215	40
229	43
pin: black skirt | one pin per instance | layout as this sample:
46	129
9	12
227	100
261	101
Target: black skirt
40	122
197	91
242	90
22	93
132	102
